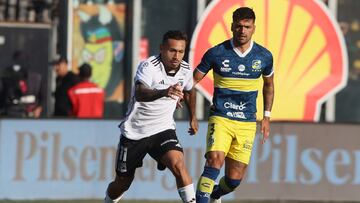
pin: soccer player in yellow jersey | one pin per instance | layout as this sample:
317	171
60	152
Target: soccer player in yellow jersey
238	66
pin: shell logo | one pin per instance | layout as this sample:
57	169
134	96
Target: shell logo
310	57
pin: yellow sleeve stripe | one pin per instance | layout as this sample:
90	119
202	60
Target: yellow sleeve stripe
239	84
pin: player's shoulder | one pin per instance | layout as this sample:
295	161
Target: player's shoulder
185	68
151	62
185	65
262	50
221	48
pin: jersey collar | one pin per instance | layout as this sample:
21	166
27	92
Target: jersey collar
237	50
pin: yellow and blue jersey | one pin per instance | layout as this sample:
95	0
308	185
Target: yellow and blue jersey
237	77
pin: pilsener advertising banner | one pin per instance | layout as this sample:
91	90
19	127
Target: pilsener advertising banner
310	57
68	159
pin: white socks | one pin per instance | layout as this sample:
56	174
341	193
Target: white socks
109	200
187	194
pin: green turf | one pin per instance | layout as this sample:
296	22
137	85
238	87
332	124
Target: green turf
144	201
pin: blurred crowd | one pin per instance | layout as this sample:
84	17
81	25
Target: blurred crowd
75	95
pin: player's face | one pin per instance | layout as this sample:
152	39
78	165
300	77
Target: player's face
172	52
242	31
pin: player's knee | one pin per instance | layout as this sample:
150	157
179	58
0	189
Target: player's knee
215	160
232	183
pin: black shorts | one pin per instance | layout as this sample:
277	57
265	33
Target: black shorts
131	153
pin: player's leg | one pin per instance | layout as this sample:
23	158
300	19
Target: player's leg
174	161
234	173
117	188
218	143
129	157
168	152
206	182
237	159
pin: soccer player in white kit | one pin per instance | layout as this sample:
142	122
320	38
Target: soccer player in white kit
149	127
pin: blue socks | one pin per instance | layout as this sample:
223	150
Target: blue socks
206	184
225	186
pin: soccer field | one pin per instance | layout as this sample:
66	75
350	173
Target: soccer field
85	201
133	201
145	201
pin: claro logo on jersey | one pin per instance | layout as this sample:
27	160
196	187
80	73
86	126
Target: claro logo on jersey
310	58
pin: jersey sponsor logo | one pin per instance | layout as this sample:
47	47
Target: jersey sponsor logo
223	69
225	63
225	66
306	75
247	145
241	73
238	114
241	67
240	107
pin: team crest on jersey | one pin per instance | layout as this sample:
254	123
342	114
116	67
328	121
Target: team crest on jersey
181	81
256	65
144	65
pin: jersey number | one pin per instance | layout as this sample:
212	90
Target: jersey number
212	128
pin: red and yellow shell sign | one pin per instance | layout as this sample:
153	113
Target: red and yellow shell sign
310	58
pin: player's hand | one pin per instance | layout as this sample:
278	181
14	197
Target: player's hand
194	126
265	129
179	104
175	92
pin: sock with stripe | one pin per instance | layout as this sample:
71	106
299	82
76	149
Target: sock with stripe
206	184
225	186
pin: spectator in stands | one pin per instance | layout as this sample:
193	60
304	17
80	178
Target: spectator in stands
64	81
87	98
21	94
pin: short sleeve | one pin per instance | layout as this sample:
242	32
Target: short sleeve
206	62
144	73
269	68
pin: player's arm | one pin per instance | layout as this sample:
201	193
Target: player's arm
190	101
268	94
197	76
144	93
204	66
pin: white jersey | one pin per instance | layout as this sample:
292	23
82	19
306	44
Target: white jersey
144	119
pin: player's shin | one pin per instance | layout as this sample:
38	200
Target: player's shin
187	194
206	184
225	186
109	200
